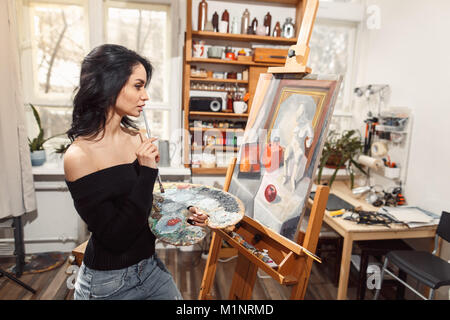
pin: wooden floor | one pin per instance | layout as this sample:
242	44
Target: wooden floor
187	268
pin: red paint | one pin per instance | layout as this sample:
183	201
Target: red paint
173	222
270	193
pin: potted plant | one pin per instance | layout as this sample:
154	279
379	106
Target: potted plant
340	151
36	145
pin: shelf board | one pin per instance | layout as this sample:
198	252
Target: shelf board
214	90
218	114
218	80
284	2
219	148
235	62
218	170
243	37
218	129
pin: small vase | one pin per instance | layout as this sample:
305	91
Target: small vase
37	158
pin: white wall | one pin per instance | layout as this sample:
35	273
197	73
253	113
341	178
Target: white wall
410	52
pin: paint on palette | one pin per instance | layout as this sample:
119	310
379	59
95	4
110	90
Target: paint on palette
168	219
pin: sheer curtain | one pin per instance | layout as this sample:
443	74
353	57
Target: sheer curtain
16	180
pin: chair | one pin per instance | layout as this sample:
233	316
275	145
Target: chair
426	267
377	249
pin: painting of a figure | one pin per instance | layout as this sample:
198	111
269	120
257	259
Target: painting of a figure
281	149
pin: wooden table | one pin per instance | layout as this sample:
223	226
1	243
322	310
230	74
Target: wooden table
351	231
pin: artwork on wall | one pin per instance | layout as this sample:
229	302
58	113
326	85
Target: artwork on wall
281	148
168	219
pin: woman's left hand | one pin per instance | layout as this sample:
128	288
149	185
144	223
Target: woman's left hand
198	218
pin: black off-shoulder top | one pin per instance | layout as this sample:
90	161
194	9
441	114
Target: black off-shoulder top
115	203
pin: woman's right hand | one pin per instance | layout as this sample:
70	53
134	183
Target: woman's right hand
147	153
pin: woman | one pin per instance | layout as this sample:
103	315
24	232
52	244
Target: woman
110	170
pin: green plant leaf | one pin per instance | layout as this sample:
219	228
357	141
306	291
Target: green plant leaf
343	146
38	142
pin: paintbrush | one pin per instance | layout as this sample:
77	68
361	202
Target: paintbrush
312	255
161	188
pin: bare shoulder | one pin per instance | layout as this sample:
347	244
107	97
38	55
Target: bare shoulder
77	162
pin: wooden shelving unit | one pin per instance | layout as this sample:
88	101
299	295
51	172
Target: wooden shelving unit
254	70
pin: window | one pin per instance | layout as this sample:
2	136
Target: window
54	43
333	45
145	29
331	49
56	35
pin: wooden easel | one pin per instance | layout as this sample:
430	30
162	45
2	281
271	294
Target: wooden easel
294	264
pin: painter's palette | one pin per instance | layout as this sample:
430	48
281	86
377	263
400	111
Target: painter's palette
168	220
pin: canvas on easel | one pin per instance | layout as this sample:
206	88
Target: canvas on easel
286	129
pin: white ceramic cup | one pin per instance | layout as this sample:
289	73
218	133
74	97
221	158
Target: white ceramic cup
239	107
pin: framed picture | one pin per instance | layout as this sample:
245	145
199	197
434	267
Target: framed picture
281	148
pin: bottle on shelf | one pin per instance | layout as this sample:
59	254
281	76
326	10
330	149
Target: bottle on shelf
245	21
202	15
254	26
226	17
267	23
235	26
288	29
277	30
229	102
215	22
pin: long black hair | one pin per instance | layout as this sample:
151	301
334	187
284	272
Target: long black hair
104	72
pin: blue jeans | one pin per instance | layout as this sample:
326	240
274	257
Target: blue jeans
147	280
